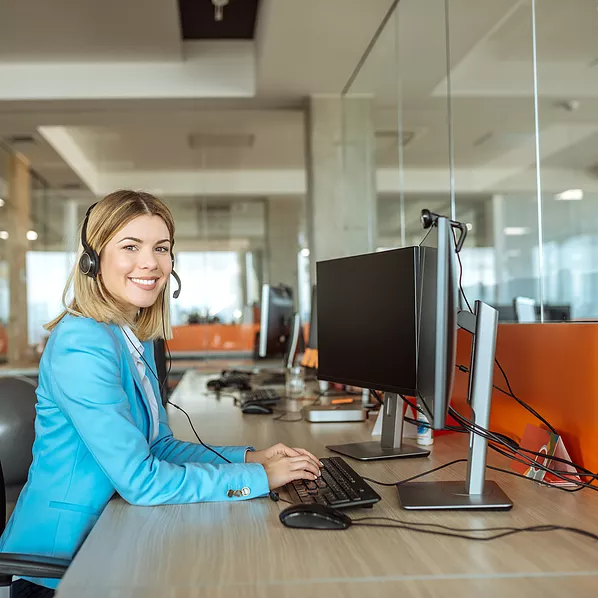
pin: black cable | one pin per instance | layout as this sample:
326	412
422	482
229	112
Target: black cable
504	374
280	418
425	236
529	461
461	274
168	400
520	401
503	534
415	477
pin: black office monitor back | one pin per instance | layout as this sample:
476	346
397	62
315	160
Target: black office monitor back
276	321
312	341
360	300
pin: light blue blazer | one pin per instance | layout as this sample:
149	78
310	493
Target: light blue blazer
92	427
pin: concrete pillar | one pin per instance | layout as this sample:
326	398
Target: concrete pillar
283	223
341	177
71	225
17	225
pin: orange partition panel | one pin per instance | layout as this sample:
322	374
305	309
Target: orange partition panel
3	341
213	337
553	368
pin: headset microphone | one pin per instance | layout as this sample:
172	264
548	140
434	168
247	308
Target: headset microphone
176	294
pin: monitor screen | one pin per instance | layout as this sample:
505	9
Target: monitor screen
277	309
367	315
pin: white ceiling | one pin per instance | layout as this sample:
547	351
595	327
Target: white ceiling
304	47
79	31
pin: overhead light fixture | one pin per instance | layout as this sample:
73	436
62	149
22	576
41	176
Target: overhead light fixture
469	226
219	9
570	195
32	235
1	203
515	231
3	235
305	252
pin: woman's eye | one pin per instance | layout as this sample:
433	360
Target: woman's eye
162	249
130	247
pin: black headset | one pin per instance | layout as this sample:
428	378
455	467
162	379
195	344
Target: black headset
89	262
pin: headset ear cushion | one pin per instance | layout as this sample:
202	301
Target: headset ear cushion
88	264
85	263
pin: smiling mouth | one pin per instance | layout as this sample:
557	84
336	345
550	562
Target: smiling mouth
147	284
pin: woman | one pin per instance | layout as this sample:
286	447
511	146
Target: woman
100	426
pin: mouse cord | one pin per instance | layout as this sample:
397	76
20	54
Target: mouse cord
501	532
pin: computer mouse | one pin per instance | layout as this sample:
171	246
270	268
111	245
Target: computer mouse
314	516
256	408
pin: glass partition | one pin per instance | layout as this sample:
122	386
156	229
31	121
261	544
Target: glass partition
567	57
484	111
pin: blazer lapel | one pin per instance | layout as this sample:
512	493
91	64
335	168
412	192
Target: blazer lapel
137	379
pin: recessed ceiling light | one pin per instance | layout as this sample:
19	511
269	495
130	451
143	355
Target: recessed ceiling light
3	234
32	235
305	252
515	231
570	195
1	202
469	226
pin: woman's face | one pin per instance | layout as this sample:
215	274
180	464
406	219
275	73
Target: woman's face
135	264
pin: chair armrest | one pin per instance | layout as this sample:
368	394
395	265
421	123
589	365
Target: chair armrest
30	565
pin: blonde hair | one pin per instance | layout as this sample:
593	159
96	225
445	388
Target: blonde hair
91	298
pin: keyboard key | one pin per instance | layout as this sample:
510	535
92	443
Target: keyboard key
339	486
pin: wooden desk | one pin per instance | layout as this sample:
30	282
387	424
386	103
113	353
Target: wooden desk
226	550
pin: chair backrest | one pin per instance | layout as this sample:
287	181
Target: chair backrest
17	433
525	310
2	502
160	358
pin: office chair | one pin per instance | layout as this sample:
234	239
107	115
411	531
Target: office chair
161	368
525	310
17	414
24	565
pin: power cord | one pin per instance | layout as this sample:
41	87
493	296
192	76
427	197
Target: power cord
502	371
161	386
455	532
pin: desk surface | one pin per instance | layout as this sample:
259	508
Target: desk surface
242	550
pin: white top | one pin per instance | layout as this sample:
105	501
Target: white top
136	349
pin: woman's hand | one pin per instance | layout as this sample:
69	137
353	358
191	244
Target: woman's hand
281	470
284	464
279	450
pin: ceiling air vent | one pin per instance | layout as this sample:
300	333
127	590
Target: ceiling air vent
221	140
21	139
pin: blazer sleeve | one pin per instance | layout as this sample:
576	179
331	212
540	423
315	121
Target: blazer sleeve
86	379
170	449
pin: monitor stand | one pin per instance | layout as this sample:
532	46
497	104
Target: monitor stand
391	444
474	493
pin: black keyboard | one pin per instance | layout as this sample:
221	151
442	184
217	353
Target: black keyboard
340	487
263	396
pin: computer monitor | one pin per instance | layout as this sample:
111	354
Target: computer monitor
437	323
367	319
439	318
525	310
296	342
277	313
312	341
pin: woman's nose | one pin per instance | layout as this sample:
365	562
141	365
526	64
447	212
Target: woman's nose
148	260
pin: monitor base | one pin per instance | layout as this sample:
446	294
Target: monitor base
451	496
370	451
